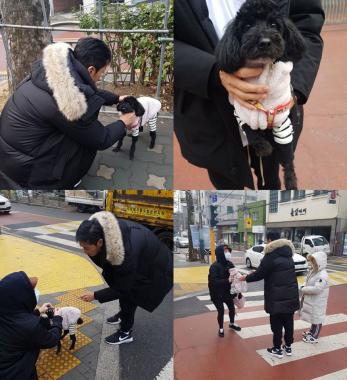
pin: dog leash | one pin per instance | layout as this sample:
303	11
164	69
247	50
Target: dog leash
271	114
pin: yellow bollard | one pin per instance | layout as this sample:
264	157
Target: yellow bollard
212	246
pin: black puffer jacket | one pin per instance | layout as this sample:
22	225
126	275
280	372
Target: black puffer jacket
22	335
136	264
49	128
280	284
218	276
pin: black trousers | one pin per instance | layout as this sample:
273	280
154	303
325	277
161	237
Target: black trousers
270	164
219	303
278	323
127	314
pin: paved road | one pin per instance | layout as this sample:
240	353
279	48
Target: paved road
201	354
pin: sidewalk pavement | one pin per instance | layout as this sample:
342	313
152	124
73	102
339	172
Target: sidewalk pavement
321	157
150	169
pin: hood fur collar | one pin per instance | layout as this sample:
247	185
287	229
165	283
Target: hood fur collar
278	244
113	236
71	101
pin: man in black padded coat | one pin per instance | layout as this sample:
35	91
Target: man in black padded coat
49	128
136	265
205	125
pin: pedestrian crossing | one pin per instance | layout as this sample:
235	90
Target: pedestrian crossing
61	234
255	324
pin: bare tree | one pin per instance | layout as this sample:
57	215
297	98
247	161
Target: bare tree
23	46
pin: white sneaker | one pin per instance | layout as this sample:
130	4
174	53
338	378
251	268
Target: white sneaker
309	339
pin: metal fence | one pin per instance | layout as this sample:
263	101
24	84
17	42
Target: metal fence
162	38
335	11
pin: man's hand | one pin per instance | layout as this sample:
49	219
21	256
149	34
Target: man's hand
57	311
129	119
44	307
243	277
245	93
87	297
121	97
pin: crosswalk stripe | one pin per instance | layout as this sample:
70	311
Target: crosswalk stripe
338	375
58	240
211	307
249	315
338	276
302	350
247	295
254	331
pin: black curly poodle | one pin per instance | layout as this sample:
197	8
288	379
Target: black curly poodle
261	35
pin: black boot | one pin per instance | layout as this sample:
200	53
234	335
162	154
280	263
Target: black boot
153	135
119	145
133	147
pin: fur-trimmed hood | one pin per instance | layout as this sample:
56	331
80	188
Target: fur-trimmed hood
279	243
113	237
65	78
321	259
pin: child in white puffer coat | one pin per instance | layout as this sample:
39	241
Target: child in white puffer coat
315	294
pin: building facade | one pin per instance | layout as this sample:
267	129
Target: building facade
251	218
309	212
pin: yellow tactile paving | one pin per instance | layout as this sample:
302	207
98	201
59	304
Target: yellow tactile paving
192	275
71	300
82	340
52	366
57	270
183	289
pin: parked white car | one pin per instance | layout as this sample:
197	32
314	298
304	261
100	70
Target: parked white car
5	205
181	242
314	243
255	254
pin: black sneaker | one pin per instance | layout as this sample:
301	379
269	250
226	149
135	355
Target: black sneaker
115	320
287	350
221	333
234	327
119	337
277	352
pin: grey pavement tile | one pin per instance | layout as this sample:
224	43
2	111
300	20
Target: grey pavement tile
158	169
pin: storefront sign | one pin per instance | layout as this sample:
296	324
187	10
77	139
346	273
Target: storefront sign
258	229
298	211
204	235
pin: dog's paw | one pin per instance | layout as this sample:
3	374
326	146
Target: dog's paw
116	149
262	147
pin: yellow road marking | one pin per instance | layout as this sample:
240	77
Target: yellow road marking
57	270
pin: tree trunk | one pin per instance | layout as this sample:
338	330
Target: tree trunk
190	212
24	45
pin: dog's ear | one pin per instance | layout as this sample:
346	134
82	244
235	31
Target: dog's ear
295	43
139	111
228	50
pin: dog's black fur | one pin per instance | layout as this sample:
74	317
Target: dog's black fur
127	105
50	315
260	34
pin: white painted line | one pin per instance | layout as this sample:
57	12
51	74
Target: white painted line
339	375
249	294
254	331
58	240
211	307
302	350
167	372
250	315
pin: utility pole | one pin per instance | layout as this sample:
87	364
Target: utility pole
201	238
245	238
190	209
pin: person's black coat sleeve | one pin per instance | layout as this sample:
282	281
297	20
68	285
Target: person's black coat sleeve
308	16
262	271
44	338
121	288
195	70
91	134
109	97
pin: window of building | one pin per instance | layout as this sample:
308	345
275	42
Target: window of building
319	192
273	206
285	195
299	194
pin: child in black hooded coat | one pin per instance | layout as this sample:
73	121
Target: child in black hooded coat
219	287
